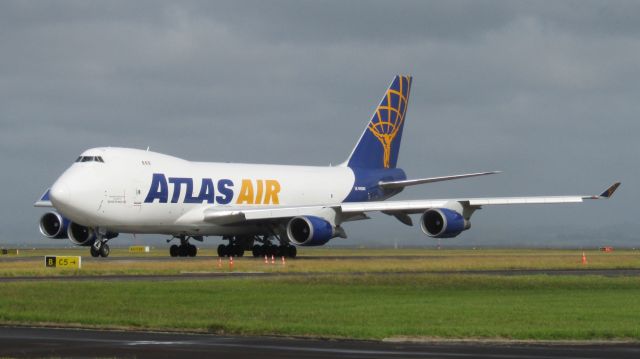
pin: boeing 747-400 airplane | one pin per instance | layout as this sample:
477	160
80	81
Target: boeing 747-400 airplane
269	209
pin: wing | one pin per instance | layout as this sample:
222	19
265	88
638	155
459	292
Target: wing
399	209
44	200
224	216
417	206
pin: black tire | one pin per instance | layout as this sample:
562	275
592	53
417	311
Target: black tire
256	251
222	250
183	250
95	253
293	252
173	250
272	251
104	250
239	251
193	250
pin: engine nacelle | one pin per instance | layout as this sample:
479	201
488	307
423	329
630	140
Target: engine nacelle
81	235
310	231
53	225
443	223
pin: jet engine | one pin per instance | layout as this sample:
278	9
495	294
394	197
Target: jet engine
310	231
53	225
443	223
81	235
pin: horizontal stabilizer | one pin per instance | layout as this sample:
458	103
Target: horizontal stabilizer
413	182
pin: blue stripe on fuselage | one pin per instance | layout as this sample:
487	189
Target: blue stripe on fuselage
366	184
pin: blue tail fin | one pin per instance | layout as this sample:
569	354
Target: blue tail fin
379	145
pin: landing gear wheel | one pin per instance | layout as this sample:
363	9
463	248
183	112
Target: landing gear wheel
192	250
239	251
183	251
222	250
173	250
293	252
256	251
104	250
272	251
95	253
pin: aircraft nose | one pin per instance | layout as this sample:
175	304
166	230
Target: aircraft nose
59	194
76	195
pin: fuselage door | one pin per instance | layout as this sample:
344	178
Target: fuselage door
140	185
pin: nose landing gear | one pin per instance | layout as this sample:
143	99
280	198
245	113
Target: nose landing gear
100	248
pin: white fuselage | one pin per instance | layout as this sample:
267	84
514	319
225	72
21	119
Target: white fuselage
121	194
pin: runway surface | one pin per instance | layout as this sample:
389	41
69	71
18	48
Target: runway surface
24	342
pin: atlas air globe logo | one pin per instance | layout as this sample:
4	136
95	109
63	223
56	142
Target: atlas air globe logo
389	116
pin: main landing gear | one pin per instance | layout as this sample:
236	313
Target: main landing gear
259	246
269	250
185	249
236	247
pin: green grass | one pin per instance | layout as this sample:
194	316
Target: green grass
332	261
367	307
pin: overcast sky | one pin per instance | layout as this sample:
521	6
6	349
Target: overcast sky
546	91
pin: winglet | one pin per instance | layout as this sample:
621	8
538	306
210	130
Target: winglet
609	191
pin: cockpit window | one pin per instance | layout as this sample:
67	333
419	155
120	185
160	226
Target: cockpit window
90	159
